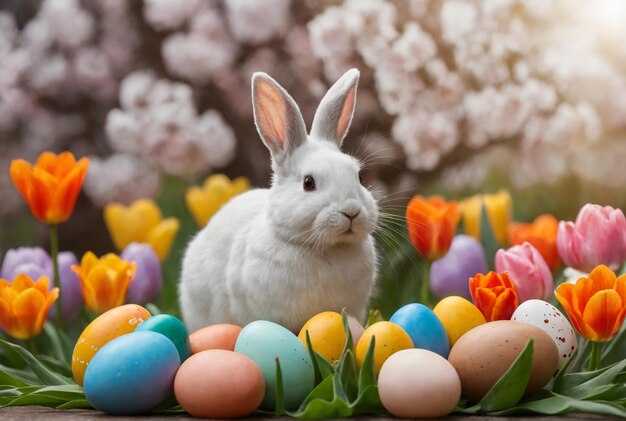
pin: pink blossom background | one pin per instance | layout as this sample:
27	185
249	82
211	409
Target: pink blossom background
455	95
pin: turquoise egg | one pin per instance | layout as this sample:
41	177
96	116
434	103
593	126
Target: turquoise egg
263	342
424	328
172	328
132	374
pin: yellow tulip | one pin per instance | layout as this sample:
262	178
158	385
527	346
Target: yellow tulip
104	281
204	202
141	222
498	212
24	305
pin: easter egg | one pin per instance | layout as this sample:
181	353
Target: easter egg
263	342
458	316
132	374
106	327
327	334
547	318
172	328
219	384
219	336
390	338
486	352
424	328
417	383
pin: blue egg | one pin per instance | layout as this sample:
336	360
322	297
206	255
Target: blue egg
424	328
172	328
263	342
132	374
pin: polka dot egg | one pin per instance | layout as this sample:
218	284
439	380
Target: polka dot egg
546	317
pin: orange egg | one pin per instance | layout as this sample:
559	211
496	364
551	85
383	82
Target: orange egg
219	384
220	336
106	327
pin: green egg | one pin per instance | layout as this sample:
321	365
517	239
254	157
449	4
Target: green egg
172	328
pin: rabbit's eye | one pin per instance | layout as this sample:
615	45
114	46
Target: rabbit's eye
309	183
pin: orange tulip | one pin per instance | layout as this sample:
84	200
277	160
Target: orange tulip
51	186
596	305
541	233
432	223
104	281
494	294
24	305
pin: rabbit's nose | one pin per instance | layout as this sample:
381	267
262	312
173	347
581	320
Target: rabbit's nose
351	215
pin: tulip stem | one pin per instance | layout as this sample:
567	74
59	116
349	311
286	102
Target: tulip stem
594	358
54	253
425	292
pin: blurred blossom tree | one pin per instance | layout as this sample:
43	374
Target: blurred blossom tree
451	92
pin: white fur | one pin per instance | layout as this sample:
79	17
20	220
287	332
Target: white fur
284	254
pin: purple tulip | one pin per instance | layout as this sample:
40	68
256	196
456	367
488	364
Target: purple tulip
71	293
35	262
148	281
450	275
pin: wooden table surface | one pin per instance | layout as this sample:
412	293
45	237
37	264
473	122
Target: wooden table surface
37	412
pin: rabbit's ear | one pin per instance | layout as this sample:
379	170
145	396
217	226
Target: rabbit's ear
277	116
334	114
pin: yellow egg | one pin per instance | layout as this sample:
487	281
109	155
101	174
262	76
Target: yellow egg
106	327
327	334
390	338
458	316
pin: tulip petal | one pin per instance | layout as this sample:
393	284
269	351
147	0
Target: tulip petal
115	218
69	188
21	283
485	300
21	174
601	313
6	315
565	296
504	306
26	309
162	237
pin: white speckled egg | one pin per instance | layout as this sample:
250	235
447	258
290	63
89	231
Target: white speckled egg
546	317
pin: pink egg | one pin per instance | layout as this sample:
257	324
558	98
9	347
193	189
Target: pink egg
219	384
220	336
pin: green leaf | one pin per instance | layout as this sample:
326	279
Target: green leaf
510	388
64	369
572	380
559	405
26	375
55	344
349	345
321	367
615	350
556	384
153	309
36	399
75	404
487	236
367	374
44	374
8	379
601	378
280	398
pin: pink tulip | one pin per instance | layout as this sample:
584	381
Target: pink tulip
598	237
528	270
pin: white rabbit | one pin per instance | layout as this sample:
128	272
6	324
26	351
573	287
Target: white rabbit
302	246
